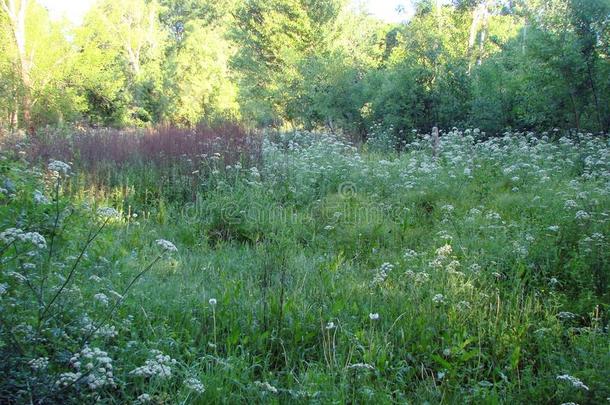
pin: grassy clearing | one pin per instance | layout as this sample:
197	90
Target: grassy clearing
319	273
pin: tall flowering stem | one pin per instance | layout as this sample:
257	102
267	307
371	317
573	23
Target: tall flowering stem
90	240
124	294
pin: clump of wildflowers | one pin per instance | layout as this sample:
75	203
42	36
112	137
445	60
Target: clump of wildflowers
160	366
94	368
11	235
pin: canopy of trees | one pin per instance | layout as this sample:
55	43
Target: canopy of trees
495	64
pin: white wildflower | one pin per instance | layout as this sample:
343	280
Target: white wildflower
143	399
265	386
166	245
159	366
330	325
361	366
444	251
373	316
582	215
194	385
39	364
108	212
102	298
59	167
573	380
463	305
213	302
569	204
40	198
438	299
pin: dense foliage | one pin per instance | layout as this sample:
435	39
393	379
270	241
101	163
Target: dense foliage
494	64
474	271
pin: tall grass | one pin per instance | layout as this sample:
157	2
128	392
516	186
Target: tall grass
317	273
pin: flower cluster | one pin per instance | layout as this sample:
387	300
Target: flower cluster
438	299
160	366
39	364
108	212
166	245
93	369
195	385
382	273
59	167
265	386
576	383
11	235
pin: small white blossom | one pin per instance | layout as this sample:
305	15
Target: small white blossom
59	167
108	212
39	364
438	299
166	245
143	399
194	385
361	366
582	215
444	251
101	298
373	316
213	302
159	366
576	383
40	198
265	386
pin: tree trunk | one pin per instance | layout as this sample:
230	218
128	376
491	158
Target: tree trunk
16	10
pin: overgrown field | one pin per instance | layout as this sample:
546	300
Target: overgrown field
297	268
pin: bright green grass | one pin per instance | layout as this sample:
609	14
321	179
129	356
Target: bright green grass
293	261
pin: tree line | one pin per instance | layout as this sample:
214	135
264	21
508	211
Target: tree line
493	64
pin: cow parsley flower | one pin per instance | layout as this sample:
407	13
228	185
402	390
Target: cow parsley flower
194	385
58	166
576	383
108	212
265	386
166	245
438	299
374	316
97	366
11	235
582	215
361	366
39	364
444	251
159	366
143	399
101	298
40	198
